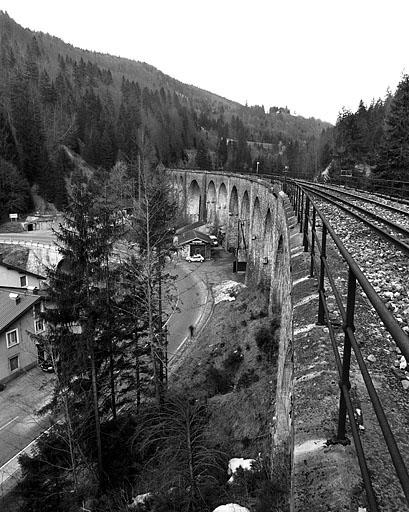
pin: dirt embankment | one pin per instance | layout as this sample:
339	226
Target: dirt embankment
231	366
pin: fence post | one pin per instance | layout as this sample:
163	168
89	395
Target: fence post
296	200
321	289
300	207
312	242
306	222
346	358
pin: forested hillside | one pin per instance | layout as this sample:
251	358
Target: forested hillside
106	107
373	140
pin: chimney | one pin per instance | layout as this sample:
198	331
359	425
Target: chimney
16	297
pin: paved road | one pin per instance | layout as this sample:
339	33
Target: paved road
40	236
19	422
192	296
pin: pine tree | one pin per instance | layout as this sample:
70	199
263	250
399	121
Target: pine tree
14	190
394	153
203	160
80	292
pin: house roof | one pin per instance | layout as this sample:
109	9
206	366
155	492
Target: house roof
20	270
191	235
10	311
190	227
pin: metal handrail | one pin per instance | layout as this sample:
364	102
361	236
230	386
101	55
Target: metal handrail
303	202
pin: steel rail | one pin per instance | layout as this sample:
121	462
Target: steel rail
403	246
358	197
393	225
402	340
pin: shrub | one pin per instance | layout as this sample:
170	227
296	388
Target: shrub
267	338
247	379
219	382
233	360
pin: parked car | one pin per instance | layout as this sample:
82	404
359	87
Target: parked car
214	240
46	366
197	258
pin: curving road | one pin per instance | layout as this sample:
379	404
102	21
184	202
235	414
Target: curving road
192	296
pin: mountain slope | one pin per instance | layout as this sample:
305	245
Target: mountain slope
105	107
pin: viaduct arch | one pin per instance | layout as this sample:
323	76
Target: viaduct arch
251	215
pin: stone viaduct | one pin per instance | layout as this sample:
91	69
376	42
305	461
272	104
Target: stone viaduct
251	212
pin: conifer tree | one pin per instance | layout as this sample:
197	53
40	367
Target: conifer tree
77	338
394	153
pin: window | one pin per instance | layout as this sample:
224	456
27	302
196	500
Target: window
12	338
23	281
14	363
39	325
37	309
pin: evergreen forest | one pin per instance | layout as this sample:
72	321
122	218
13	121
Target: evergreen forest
106	108
373	141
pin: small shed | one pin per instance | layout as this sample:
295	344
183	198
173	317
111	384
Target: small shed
194	242
37	222
197	226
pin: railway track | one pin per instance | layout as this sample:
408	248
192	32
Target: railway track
379	246
388	221
395	206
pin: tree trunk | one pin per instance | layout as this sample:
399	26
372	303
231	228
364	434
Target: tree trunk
96	411
112	377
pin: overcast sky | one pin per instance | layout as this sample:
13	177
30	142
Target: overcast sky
314	56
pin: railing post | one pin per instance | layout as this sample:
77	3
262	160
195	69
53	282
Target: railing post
296	200
306	221
346	359
300	205
321	289
312	242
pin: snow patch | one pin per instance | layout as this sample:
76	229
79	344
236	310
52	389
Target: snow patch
300	280
303	330
236	463
306	300
309	446
231	507
226	291
141	499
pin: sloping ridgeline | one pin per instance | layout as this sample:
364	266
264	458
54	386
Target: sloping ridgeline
103	106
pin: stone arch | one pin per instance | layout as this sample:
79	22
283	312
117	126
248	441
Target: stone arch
256	232
193	206
278	272
180	191
233	218
267	249
256	220
234	202
244	222
211	200
222	204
